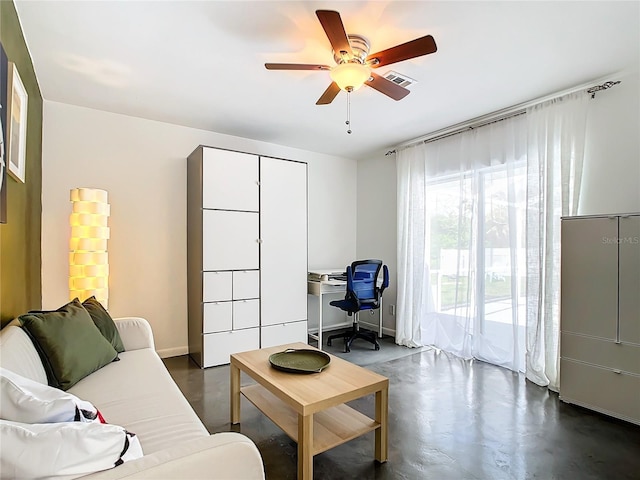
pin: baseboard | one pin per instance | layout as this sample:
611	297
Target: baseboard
177	351
172	352
375	326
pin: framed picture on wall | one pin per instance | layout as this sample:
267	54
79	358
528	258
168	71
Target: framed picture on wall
16	124
4	64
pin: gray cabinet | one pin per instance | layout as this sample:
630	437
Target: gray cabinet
247	253
629	279
600	314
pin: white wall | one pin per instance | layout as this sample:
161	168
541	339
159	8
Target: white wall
377	225
142	164
611	179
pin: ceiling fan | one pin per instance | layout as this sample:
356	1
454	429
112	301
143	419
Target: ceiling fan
354	63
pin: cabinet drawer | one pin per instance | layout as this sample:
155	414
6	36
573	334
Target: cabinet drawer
246	284
283	333
217	317
601	389
609	354
218	346
246	314
216	286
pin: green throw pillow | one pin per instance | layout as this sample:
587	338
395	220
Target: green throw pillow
104	322
70	345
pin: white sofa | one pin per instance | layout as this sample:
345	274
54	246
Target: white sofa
138	393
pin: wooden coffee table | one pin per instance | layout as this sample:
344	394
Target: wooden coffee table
310	407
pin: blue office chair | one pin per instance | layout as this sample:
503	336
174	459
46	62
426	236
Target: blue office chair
363	293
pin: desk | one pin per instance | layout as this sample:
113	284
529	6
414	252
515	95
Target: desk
320	288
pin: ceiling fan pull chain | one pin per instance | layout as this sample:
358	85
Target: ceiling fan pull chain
348	122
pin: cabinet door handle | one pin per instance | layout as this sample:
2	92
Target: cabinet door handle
259	240
258	182
615	370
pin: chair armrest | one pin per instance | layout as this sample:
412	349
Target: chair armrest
385	279
228	456
135	333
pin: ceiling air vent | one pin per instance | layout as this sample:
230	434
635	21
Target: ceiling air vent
399	78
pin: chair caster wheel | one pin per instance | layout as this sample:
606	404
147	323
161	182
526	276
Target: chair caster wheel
377	347
347	349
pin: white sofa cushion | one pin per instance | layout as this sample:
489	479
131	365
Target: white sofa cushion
26	401
138	393
227	455
50	450
18	354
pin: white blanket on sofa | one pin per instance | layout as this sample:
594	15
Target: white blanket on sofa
139	394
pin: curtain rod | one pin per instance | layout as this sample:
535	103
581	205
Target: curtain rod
503	114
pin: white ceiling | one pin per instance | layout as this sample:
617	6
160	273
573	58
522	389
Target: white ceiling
201	64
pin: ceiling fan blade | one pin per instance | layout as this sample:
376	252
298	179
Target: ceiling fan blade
329	94
333	27
414	48
295	66
387	87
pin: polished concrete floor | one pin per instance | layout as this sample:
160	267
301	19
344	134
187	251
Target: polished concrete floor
448	419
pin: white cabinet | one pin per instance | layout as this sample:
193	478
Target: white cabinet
283	266
230	240
217	347
218	317
600	314
272	335
230	180
246	284
217	286
246	314
247	253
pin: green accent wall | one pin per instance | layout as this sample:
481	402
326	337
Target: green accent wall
20	257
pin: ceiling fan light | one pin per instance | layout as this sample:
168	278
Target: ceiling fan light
350	75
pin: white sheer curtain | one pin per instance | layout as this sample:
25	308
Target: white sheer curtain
478	237
414	289
461	244
556	139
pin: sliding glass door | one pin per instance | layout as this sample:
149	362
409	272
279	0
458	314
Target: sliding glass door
476	244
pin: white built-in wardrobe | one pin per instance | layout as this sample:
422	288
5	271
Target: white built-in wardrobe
600	314
246	253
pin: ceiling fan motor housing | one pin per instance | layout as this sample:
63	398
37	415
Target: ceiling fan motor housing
360	48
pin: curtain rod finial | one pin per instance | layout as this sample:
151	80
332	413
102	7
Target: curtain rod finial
598	88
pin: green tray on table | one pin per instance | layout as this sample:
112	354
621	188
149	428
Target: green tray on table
301	360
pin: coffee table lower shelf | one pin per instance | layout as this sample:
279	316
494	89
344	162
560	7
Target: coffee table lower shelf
331	427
